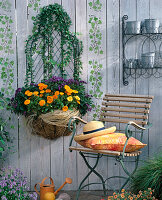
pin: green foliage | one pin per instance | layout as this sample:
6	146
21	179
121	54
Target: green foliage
5	5
51	27
50	95
7	75
35	4
149	176
95	35
13	185
5	138
142	195
96	78
6	35
95	5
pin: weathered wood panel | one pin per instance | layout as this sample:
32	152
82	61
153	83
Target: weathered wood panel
39	157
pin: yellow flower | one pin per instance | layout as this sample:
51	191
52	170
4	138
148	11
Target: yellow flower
77	98
36	93
61	93
70	98
49	99
48	91
67	87
27	92
78	102
42	86
75	91
41	95
42	91
57	93
26	102
65	108
123	190
42	102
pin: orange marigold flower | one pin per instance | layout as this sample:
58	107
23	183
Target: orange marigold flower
26	102
27	92
55	97
41	95
61	93
65	108
123	190
75	91
114	193
42	102
115	196
70	98
42	91
68	93
122	195
41	87
49	99
48	91
57	93
47	105
36	93
138	195
45	86
40	84
131	198
78	102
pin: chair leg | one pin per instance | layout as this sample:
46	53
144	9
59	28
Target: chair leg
130	175
92	169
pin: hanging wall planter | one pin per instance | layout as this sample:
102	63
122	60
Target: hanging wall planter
53	91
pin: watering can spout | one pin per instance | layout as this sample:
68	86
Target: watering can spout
67	180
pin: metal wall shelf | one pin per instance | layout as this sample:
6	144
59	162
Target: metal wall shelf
149	42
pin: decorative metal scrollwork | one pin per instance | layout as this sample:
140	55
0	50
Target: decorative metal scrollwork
141	44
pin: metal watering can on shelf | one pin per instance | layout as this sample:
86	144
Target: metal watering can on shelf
46	189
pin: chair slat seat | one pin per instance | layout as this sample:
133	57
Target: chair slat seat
106	152
127	99
130	96
124	115
136	105
125	110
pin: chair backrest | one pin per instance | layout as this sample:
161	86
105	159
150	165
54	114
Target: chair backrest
122	108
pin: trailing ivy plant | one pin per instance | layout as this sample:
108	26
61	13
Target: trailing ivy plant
95	79
95	35
95	5
6	49
35	4
5	5
5	138
51	27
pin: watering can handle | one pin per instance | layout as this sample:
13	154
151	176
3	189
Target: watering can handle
42	183
35	188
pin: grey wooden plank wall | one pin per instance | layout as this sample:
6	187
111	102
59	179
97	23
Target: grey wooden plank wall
39	157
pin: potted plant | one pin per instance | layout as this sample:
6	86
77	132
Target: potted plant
50	104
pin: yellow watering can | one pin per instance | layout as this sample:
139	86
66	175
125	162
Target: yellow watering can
47	191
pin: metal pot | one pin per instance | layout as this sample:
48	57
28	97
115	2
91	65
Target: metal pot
151	25
148	60
133	27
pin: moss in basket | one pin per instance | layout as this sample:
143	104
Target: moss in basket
149	176
49	95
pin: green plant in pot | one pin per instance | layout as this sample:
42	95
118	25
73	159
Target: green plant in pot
149	176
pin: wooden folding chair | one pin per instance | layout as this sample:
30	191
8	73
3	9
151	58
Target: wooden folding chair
131	110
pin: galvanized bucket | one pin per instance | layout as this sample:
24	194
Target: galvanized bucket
151	25
133	27
148	60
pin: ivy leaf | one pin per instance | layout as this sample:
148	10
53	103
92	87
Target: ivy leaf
29	5
90	4
101	52
1	48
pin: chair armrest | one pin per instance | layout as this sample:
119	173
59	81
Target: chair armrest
128	132
72	123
